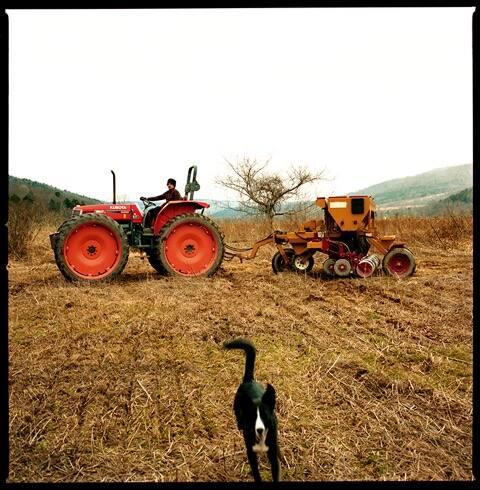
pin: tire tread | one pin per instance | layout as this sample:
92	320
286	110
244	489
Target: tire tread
69	225
165	230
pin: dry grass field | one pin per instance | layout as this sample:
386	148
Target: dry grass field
128	381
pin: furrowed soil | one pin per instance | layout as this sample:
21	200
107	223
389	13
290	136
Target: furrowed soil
128	381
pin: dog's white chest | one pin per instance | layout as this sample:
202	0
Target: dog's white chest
260	434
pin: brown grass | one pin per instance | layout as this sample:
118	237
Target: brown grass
128	381
24	224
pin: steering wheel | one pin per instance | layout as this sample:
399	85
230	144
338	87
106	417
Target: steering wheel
147	203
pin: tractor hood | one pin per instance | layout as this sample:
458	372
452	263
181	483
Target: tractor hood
118	212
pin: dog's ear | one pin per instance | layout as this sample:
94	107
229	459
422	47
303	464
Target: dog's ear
269	396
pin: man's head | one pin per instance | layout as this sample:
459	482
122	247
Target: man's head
171	183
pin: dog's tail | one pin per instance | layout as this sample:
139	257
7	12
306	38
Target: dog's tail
250	353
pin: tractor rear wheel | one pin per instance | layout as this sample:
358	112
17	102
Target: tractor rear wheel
191	245
91	247
278	262
399	262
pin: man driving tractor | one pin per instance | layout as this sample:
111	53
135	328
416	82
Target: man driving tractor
171	195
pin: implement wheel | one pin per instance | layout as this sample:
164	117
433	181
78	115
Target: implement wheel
302	263
191	245
342	267
278	263
91	247
328	267
399	262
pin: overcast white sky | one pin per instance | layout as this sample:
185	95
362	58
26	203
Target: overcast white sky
367	94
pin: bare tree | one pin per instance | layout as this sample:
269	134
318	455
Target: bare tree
262	192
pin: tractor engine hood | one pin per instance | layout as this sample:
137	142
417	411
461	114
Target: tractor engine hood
118	212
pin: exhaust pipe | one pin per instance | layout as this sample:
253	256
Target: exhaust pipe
114	188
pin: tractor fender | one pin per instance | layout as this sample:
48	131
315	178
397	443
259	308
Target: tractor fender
171	209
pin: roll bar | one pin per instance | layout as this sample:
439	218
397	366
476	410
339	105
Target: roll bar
192	184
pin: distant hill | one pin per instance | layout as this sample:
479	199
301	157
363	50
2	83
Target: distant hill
223	209
460	202
465	196
426	193
52	197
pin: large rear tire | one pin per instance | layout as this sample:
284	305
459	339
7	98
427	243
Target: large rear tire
191	245
399	262
91	247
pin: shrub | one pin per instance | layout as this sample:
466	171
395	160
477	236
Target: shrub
448	231
24	223
54	205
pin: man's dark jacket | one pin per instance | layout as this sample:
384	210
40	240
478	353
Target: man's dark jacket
170	195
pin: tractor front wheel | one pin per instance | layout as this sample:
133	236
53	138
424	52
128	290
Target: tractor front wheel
191	245
91	247
399	262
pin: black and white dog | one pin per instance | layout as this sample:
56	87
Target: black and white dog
254	408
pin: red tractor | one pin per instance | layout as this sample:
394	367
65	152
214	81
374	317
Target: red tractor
94	243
